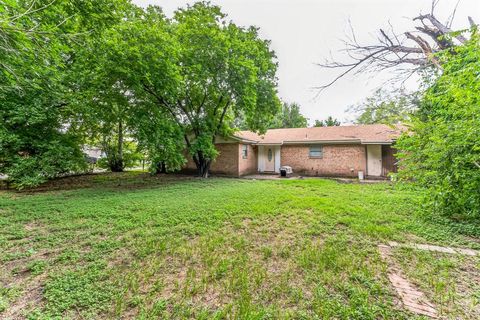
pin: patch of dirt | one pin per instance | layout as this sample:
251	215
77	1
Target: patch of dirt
117	180
30	297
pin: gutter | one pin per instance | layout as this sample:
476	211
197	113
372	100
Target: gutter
378	142
345	141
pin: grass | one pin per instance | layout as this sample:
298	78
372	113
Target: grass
133	246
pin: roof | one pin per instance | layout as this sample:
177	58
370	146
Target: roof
364	134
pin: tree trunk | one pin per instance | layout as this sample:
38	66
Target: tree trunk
117	164
161	167
120	144
203	165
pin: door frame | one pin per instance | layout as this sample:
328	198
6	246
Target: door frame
380	158
262	157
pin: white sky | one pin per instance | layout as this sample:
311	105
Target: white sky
305	32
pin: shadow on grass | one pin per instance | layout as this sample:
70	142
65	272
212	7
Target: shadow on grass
119	181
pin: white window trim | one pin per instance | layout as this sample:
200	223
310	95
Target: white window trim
318	146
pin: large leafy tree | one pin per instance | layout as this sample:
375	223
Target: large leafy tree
106	108
128	59
39	45
161	139
442	149
201	71
225	71
289	117
385	107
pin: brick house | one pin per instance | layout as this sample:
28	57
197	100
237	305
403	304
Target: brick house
340	151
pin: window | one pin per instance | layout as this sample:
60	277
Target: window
316	152
244	151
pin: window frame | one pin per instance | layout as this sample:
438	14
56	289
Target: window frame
317	146
244	151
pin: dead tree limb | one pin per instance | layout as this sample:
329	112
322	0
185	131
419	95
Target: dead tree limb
414	49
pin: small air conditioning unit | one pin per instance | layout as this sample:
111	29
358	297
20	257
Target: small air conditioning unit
285	171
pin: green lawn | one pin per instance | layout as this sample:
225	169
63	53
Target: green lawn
133	246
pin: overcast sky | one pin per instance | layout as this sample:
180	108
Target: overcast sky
305	32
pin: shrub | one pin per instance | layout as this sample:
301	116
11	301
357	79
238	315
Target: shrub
442	149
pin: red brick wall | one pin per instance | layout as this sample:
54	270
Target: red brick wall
227	159
249	165
337	160
226	162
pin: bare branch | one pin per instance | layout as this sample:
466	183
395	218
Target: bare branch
442	28
450	20
386	37
410	51
434	4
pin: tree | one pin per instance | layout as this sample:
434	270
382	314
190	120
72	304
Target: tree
161	138
442	149
199	70
140	50
226	70
39	43
408	52
289	117
329	122
107	108
385	107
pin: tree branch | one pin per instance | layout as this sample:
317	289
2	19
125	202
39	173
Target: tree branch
162	102
412	48
442	28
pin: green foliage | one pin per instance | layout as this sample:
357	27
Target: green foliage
130	155
28	160
88	72
199	70
85	288
385	107
329	122
289	117
39	139
34	144
37	267
160	138
442	149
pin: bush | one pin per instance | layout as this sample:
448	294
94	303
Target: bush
47	160
130	157
442	149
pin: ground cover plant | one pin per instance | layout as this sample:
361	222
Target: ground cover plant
130	245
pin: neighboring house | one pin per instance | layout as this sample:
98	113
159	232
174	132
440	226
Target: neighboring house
340	151
93	154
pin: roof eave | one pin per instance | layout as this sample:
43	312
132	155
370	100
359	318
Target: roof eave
342	141
378	142
269	143
240	139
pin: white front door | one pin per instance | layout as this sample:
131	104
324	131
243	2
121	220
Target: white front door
270	158
374	160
